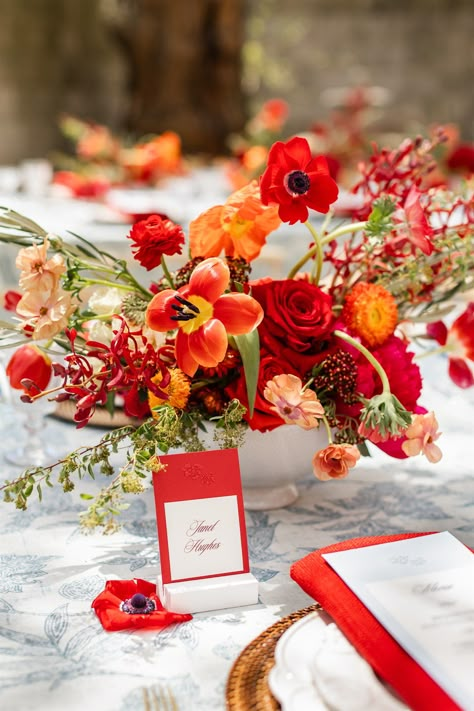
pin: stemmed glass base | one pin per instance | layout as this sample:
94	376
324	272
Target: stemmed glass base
34	451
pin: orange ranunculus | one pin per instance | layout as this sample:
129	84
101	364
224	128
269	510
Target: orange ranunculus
239	227
203	315
30	363
334	461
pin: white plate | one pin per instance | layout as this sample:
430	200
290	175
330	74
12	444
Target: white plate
317	669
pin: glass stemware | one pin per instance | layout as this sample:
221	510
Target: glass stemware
33	449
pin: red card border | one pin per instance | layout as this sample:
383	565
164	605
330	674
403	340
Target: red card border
170	491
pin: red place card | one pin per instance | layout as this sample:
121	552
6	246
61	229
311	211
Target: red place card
200	516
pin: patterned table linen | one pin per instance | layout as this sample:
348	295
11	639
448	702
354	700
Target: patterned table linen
55	656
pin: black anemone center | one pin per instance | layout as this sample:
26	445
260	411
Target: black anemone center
138	600
297	182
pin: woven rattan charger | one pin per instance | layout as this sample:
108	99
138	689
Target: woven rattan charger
247	685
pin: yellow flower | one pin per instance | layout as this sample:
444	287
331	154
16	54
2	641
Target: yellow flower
370	311
178	390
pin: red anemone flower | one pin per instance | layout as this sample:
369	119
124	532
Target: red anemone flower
203	315
296	181
132	604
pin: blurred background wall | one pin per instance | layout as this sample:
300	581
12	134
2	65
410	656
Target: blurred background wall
201	66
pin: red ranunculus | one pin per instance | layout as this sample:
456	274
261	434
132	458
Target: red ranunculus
31	364
154	237
296	181
297	313
263	418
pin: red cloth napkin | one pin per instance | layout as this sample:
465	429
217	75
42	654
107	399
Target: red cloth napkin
386	657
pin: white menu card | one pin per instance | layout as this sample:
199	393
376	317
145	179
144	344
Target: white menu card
422	591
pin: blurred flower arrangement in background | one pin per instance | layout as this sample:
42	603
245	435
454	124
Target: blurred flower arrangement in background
328	346
102	159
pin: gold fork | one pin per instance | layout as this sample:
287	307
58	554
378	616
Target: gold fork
161	700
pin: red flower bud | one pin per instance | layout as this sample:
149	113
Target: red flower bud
31	364
10	300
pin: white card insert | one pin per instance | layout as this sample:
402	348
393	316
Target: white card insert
203	537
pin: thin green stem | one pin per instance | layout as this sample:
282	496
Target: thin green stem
367	354
320	242
328	429
125	276
311	253
104	282
319	257
344	230
167	273
434	351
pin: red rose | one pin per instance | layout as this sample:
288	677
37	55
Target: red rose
297	314
296	181
263	418
153	238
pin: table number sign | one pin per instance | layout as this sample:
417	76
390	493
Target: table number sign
201	532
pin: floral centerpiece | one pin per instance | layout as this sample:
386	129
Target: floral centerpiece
328	346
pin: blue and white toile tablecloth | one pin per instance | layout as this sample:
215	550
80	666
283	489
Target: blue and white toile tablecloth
54	655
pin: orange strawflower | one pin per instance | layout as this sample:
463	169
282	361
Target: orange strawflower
239	227
178	390
370	311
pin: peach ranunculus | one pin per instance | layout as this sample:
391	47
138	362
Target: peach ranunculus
37	271
203	315
334	461
293	404
46	314
239	227
421	436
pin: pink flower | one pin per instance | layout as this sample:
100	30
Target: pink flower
414	227
293	404
334	461
37	271
47	314
421	436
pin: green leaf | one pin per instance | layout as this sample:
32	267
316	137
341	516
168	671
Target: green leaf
86	497
110	404
363	449
249	348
